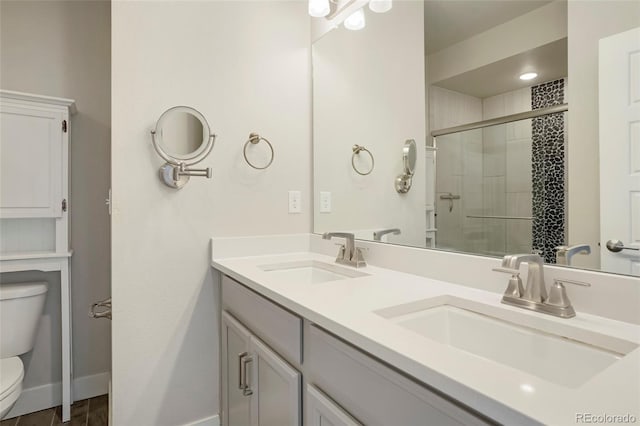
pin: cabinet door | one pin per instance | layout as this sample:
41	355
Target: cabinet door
276	389
236	404
321	411
30	162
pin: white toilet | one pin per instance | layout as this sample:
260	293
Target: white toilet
21	305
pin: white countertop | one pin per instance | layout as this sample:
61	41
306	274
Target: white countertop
345	308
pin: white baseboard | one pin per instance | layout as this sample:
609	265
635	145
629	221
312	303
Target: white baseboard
50	395
209	421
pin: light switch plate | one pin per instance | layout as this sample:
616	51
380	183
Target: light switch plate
325	202
295	201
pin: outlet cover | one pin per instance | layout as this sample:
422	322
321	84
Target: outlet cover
295	202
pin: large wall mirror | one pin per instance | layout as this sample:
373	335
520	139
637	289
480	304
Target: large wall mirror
507	162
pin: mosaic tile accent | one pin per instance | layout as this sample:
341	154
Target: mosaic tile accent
548	171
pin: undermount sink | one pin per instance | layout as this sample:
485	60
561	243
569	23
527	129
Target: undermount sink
310	272
558	353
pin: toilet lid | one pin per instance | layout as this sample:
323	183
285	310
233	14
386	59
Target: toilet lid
11	374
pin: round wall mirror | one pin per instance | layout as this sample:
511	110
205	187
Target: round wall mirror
182	134
182	138
409	153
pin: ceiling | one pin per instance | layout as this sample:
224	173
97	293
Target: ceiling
448	22
549	61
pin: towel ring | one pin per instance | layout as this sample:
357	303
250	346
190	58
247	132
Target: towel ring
254	138
356	151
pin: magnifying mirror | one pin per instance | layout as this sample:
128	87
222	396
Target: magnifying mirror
409	155
182	138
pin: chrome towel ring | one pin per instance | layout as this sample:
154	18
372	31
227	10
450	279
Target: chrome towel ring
254	138
357	149
105	313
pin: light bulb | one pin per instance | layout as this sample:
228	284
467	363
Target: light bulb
528	76
319	8
380	6
355	21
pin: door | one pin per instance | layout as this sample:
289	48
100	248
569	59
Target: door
321	411
258	387
30	162
620	151
236	400
278	397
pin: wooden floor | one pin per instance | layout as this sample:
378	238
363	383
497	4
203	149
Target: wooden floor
88	412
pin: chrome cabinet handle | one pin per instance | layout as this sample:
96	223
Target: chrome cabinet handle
245	359
241	355
617	246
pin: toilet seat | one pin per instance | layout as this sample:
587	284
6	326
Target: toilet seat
11	375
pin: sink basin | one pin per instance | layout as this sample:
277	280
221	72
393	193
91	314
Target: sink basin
557	353
310	272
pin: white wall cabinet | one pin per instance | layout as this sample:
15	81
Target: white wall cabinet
259	388
34	204
33	159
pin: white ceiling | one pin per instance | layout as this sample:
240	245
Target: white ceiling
450	21
549	61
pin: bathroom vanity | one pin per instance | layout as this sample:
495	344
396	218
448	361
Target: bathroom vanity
337	381
304	339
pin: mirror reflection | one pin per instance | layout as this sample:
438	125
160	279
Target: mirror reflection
507	184
409	156
181	133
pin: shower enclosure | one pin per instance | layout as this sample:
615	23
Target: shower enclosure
500	184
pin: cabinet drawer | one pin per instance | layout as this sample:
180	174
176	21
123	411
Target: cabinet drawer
276	326
374	393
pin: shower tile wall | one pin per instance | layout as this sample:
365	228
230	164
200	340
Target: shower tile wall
549	189
459	169
507	174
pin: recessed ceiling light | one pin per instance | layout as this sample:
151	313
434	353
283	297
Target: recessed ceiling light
528	76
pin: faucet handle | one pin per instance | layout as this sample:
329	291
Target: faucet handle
514	289
358	258
511	271
558	294
563	281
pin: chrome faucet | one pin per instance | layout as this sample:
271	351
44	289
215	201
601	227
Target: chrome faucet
534	296
348	254
565	253
377	235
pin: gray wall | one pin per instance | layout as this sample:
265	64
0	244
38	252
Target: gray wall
60	48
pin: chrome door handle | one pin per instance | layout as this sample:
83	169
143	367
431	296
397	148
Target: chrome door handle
617	246
245	359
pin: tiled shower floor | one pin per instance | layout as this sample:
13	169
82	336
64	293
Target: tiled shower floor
88	412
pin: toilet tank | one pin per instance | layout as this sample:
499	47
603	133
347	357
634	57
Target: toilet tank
21	306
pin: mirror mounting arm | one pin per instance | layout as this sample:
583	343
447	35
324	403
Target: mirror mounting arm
184	170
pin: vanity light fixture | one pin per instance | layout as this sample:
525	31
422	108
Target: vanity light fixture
528	76
355	21
380	6
319	8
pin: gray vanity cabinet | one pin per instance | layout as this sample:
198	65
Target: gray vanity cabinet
373	392
236	407
263	366
322	411
259	388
